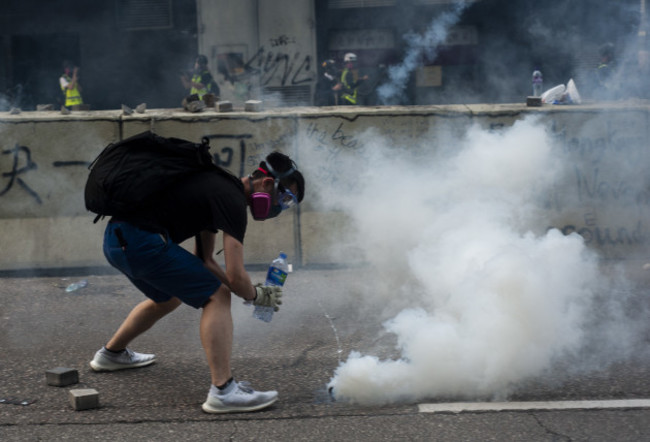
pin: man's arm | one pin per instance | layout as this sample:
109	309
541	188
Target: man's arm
239	281
187	84
73	82
199	85
205	251
235	275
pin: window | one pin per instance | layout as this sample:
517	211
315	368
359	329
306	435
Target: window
135	15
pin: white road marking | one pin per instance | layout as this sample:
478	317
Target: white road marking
459	407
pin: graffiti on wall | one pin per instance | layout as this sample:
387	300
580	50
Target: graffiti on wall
280	63
289	68
608	181
334	148
239	153
242	152
605	195
281	40
17	171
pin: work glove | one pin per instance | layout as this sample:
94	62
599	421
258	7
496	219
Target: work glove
268	296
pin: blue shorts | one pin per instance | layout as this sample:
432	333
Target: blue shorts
158	267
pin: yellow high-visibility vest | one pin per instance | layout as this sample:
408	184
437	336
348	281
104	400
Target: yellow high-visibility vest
207	88
72	96
351	98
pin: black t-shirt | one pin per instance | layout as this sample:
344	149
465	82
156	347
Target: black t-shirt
204	201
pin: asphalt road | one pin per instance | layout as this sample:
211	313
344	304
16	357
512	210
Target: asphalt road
43	327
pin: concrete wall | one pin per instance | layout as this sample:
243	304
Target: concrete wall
268	49
44	158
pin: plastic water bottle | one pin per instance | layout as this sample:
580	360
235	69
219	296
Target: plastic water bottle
276	275
538	82
76	286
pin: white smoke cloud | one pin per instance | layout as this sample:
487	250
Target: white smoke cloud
481	296
417	47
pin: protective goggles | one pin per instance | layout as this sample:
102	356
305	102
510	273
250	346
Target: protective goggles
285	200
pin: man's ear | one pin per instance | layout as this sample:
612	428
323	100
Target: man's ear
268	184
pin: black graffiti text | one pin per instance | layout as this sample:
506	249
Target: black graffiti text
17	171
293	69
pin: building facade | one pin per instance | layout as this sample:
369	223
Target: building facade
412	51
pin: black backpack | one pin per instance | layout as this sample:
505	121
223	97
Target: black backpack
128	174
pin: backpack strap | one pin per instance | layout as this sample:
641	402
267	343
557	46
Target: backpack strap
199	246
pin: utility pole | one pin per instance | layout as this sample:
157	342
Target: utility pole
642	30
642	21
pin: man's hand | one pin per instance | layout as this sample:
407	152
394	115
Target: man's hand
268	295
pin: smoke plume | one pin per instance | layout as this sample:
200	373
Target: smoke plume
418	47
481	296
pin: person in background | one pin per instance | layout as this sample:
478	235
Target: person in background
201	82
327	85
606	88
70	86
350	80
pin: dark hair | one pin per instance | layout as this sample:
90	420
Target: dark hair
202	60
282	163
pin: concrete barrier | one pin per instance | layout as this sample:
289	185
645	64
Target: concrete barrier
43	166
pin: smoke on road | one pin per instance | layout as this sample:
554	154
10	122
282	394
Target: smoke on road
480	295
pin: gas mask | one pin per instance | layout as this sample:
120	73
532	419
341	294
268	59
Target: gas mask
262	203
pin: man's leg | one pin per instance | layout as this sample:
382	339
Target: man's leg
115	355
226	395
216	331
141	318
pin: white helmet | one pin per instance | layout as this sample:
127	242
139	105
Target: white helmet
349	57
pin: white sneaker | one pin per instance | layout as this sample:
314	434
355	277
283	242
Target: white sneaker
237	397
105	360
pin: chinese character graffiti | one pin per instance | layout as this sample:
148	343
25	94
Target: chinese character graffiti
14	176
